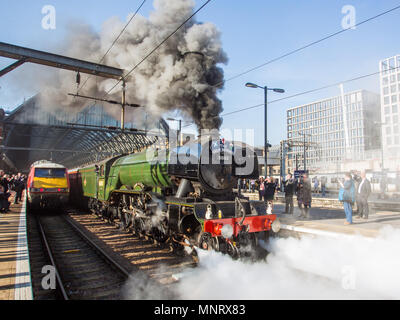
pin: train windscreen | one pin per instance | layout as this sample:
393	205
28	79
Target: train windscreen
50	173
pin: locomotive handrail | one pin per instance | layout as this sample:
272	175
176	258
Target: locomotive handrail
243	209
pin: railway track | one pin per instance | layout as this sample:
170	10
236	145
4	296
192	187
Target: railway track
83	269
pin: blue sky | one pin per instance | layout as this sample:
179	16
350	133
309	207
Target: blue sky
253	32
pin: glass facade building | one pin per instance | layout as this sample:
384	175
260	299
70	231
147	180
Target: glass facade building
390	101
333	131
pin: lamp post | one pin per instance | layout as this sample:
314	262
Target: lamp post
381	124
304	146
179	130
265	88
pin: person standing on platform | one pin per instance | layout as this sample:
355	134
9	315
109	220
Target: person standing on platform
239	185
19	186
253	185
323	186
304	196
4	183
363	192
316	185
261	189
269	193
289	186
347	196
357	180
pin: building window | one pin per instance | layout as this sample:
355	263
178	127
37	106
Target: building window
394	99
385	81
391	63
384	66
388	130
386	100
385	91
394	108
388	141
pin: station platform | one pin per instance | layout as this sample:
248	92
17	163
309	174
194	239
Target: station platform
15	279
327	218
333	225
331	201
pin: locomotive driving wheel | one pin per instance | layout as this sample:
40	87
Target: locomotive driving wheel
159	234
122	219
205	241
232	250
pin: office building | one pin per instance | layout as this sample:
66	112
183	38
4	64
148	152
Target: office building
333	131
390	99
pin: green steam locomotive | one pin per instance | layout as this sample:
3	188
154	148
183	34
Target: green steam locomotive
183	196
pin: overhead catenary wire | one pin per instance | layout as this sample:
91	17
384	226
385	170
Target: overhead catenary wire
158	46
302	93
115	41
307	46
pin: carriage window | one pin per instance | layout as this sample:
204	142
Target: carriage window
50	172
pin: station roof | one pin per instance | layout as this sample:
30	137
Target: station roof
26	140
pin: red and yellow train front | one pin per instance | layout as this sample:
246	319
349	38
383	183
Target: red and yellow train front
48	187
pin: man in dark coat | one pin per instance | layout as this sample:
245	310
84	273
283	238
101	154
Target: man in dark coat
269	194
19	186
304	197
362	193
269	191
4	194
290	186
4	181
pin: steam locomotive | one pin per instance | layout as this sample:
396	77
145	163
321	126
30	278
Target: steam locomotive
183	196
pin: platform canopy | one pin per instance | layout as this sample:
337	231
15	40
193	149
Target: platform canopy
30	134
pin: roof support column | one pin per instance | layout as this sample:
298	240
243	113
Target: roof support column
123	105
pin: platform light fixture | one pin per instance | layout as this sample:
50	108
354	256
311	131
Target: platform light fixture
265	88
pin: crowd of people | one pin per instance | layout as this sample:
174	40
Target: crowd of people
17	183
267	187
319	185
354	190
302	188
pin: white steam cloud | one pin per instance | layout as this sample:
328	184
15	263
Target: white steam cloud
183	74
308	268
